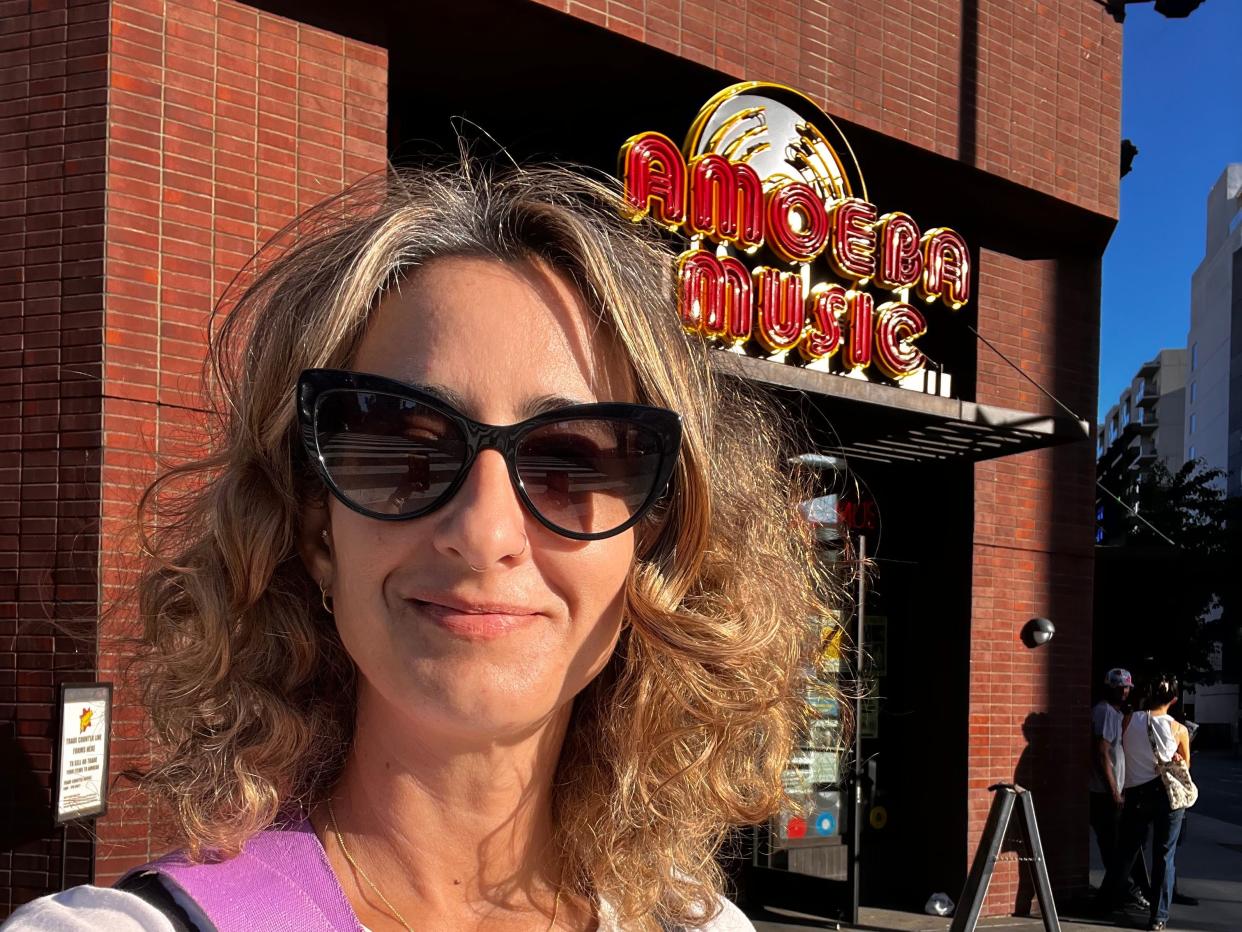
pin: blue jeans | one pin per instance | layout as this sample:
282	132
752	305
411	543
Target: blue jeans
1106	823
1147	809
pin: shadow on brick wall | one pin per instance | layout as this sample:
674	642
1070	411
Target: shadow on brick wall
1054	764
968	84
27	813
1040	754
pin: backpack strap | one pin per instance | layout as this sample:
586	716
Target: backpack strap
281	879
146	885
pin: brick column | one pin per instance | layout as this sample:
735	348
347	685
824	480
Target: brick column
52	122
224	123
1033	556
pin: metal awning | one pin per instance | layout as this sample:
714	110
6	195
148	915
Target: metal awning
884	424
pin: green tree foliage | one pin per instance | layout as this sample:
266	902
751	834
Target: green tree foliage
1171	568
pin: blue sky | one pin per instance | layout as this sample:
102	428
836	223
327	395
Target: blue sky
1182	107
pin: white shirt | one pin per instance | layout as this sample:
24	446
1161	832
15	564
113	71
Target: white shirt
86	908
1140	761
103	909
1106	723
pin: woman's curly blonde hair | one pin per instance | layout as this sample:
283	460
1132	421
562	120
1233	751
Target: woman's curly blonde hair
687	731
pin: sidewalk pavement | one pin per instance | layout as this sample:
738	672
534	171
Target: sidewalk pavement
891	920
1209	867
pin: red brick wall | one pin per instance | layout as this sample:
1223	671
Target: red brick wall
52	120
1030	92
224	123
200	128
1033	553
1040	103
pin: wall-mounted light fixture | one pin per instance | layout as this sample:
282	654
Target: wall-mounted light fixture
1174	9
1037	632
1128	151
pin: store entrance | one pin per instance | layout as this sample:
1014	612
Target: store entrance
914	523
914	726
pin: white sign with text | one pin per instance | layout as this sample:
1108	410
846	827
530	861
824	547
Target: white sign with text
82	772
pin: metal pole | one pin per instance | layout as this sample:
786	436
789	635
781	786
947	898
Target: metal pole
856	804
64	854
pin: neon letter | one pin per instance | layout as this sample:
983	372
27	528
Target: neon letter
828	304
655	179
726	201
801	241
897	326
781	314
901	261
714	295
853	239
946	268
858	346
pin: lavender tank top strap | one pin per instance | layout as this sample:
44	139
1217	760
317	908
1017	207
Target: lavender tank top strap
281	881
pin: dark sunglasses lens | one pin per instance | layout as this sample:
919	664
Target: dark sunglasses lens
588	476
386	454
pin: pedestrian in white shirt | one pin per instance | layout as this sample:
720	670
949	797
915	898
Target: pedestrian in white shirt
1107	777
1149	735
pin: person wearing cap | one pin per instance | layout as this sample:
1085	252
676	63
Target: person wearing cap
1150	737
1107	779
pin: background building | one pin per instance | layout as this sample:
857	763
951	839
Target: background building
1182	406
150	148
1147	421
1143	428
1214	342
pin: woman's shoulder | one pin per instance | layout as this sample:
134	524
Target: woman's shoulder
91	909
280	871
88	909
727	919
1166	729
1168	724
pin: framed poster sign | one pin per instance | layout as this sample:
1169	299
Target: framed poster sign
875	636
869	723
85	717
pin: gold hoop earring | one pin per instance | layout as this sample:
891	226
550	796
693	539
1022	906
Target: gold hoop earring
323	597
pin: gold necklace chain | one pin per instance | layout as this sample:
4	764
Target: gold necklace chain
340	840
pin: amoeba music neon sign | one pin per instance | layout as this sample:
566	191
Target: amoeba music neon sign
762	181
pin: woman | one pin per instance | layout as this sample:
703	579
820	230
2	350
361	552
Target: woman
1147	736
423	672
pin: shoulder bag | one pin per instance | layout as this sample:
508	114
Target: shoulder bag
1174	774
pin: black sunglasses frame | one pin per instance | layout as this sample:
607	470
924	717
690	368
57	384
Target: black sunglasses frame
665	425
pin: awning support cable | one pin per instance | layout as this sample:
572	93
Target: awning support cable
1118	500
1022	372
1068	410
